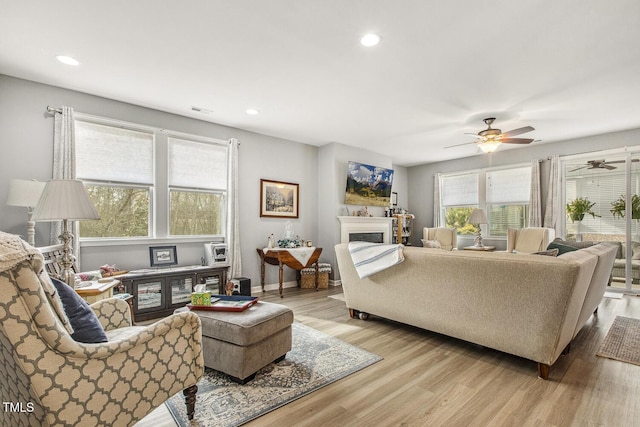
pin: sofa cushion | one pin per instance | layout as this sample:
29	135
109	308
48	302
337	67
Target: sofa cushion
548	252
431	244
562	249
635	250
86	327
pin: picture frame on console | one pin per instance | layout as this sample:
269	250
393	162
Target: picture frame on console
163	256
279	199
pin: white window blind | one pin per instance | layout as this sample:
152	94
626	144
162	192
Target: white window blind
509	186
197	165
460	190
601	187
124	155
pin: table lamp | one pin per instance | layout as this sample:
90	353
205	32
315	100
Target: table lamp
478	217
25	193
65	200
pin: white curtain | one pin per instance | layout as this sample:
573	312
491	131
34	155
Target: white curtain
437	200
554	211
233	211
64	167
535	208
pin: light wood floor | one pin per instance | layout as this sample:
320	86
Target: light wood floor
428	379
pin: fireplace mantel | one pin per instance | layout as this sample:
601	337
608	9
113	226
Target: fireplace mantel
365	224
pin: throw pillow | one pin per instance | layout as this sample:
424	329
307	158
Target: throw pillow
431	244
562	249
87	328
548	252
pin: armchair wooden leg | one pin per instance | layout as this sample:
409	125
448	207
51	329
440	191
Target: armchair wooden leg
190	400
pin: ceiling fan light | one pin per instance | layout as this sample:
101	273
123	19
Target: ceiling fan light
489	146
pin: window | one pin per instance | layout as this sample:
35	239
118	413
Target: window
146	183
507	199
197	187
503	193
117	167
459	198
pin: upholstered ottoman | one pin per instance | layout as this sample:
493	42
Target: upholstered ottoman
241	343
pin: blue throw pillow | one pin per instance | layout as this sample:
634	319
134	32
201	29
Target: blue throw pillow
562	249
87	328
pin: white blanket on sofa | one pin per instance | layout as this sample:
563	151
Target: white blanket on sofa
371	258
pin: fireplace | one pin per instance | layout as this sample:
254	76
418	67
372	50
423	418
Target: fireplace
367	229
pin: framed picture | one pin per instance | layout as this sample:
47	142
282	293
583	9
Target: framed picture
394	199
368	185
162	256
278	199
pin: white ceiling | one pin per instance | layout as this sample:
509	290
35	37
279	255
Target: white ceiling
569	68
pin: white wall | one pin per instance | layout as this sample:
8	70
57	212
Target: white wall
26	151
333	161
26	140
420	178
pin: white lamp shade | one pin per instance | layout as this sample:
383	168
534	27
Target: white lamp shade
23	192
489	146
478	217
65	199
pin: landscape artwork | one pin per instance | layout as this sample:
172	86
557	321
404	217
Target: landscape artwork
278	199
368	185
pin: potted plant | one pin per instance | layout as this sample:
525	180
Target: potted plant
576	209
618	207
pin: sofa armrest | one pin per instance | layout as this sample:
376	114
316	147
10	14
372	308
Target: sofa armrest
112	313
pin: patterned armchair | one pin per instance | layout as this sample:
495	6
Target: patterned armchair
50	379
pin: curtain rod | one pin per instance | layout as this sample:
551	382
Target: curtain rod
52	110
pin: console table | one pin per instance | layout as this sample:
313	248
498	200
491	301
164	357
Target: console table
158	292
282	257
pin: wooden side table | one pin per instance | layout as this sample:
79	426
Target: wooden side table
97	291
282	257
102	290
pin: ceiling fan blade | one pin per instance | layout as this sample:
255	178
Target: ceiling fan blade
458	145
516	140
577	169
518	131
608	167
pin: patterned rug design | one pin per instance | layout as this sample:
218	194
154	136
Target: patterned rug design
315	360
622	341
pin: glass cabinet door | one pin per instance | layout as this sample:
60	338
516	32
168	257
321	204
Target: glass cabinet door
148	295
214	282
180	288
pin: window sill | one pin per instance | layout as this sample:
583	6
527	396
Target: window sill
145	241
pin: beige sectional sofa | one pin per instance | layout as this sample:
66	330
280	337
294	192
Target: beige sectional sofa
531	306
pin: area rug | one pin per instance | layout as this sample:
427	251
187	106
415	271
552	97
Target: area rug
622	341
315	360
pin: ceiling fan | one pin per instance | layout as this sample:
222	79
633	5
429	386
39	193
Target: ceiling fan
600	164
490	139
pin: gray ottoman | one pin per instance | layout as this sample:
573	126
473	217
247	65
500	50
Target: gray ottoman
241	343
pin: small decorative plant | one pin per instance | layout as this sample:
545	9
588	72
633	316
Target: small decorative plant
618	208
578	208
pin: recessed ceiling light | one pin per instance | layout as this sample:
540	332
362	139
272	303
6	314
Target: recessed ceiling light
370	39
252	111
68	60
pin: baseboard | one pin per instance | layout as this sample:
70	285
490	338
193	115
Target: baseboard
257	290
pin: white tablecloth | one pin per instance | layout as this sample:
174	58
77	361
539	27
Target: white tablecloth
301	255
